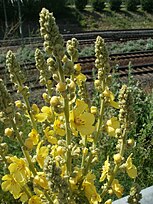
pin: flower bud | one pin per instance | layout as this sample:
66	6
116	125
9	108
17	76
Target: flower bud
117	158
9	132
131	142
85	151
18	103
93	110
72	85
77	67
54	101
61	87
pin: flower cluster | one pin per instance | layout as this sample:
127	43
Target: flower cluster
61	147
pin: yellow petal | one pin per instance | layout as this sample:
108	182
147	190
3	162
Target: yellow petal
46	109
132	172
41	117
114	104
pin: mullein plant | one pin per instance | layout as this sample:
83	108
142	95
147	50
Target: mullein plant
62	147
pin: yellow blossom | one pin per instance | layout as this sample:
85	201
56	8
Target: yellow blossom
105	170
42	153
81	120
59	126
34	136
90	189
74	181
80	78
49	134
46	113
35	200
23	197
110	98
109	201
112	126
57	150
19	169
11	185
117	188
40	179
131	168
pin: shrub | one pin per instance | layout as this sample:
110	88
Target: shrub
147	5
98	5
115	4
131	5
81	4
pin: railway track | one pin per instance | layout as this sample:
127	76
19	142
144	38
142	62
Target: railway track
142	67
87	37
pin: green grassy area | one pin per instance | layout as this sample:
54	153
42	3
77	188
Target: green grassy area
105	20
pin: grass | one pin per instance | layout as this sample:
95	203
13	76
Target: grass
108	20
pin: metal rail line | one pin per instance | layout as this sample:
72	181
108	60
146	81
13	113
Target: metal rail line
87	64
88	37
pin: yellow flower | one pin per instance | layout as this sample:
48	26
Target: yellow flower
90	189
45	114
57	150
49	134
23	197
40	179
81	120
11	185
110	98
112	126
109	201
35	200
131	168
59	126
117	188
48	111
74	181
19	169
34	136
42	153
80	78
105	170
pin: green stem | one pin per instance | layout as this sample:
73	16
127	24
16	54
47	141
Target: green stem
67	124
116	168
84	156
48	197
100	118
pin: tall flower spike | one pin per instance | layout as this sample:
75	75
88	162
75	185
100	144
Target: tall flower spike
41	65
16	75
53	41
102	62
101	54
72	50
6	105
